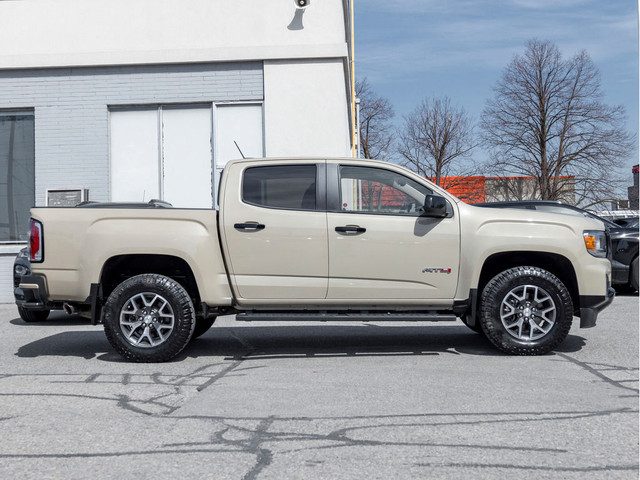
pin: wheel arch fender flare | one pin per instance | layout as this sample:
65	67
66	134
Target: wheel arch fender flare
496	263
118	268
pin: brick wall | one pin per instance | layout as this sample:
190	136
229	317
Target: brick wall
71	110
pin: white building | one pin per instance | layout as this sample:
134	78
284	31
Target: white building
133	100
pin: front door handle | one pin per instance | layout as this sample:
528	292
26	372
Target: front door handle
253	226
351	229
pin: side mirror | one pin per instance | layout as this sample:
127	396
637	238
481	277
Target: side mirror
434	206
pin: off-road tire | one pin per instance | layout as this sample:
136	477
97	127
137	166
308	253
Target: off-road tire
202	326
496	304
153	292
33	316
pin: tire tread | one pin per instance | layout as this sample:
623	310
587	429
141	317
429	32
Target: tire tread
33	316
491	300
183	310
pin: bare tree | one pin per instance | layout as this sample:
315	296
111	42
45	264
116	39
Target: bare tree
436	142
547	121
375	128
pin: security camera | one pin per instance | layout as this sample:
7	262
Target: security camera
302	3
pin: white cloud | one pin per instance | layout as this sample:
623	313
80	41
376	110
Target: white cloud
548	4
433	36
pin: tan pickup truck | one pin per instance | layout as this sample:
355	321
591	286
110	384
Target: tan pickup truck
317	240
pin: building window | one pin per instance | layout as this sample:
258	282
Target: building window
17	174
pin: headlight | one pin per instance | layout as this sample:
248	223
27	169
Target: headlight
596	243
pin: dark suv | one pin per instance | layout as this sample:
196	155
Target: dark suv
624	239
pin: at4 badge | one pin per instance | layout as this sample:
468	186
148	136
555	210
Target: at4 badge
436	270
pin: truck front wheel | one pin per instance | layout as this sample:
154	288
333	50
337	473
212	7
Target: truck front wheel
149	318
526	311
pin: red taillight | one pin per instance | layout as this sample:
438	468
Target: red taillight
36	247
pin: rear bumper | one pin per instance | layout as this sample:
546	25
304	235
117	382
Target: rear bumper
31	293
591	305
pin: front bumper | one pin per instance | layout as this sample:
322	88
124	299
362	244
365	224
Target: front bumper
591	305
31	293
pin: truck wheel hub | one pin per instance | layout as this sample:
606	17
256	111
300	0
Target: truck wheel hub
142	311
528	312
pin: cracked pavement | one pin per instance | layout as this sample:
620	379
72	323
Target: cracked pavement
320	401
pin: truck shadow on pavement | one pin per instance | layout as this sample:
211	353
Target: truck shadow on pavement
54	321
277	342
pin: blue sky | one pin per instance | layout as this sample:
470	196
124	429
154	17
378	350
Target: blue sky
409	50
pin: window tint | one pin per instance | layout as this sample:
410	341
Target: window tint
17	173
374	190
288	186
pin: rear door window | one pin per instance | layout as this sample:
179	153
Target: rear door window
290	187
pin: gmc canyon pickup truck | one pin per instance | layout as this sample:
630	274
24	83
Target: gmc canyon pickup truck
317	240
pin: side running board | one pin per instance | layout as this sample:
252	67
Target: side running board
255	316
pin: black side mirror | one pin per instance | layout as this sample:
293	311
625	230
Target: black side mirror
434	206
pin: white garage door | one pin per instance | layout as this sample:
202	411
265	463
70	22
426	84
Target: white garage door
166	152
162	153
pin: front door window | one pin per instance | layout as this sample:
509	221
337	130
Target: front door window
373	190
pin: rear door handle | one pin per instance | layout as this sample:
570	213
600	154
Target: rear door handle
351	229
253	226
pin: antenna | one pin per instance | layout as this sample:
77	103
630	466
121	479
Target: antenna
239	149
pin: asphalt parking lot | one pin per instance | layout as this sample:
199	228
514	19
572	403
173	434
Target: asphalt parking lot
320	401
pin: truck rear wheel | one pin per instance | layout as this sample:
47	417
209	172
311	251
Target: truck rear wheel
526	311
149	318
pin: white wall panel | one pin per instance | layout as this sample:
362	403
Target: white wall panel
306	110
186	154
118	32
6	275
